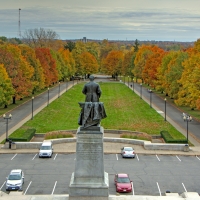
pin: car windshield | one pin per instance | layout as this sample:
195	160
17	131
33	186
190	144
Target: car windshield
45	148
123	180
128	149
14	177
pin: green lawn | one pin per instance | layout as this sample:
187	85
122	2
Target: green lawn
125	111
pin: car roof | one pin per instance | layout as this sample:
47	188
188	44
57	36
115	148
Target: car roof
122	175
47	143
16	171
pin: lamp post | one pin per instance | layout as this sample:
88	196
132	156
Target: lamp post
165	107
66	84
128	81
32	108
7	118
48	98
187	118
150	92
59	90
140	90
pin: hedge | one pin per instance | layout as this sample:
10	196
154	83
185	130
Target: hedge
169	139
27	136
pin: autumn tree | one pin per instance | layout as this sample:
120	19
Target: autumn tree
48	64
69	67
38	76
88	63
189	93
150	69
6	88
128	61
140	60
18	69
170	72
113	63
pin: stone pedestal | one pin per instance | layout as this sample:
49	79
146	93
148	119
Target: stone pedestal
89	178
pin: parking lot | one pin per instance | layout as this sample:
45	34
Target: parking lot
151	174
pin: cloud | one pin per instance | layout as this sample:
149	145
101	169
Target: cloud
144	20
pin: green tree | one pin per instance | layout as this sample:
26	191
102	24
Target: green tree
6	88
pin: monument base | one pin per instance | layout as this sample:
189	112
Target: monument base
89	190
89	178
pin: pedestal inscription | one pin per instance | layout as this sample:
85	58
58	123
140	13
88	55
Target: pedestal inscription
89	178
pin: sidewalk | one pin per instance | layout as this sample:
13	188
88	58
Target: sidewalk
109	148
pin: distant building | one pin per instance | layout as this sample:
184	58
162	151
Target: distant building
84	39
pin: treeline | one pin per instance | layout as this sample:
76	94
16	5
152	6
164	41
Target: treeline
40	60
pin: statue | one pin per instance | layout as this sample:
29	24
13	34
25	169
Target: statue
92	110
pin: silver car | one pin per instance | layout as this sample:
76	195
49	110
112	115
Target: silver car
15	180
127	152
46	149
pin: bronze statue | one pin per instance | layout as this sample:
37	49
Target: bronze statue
92	91
92	110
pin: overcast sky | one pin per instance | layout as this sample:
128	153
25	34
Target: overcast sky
160	20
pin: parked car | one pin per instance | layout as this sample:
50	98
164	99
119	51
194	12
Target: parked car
123	183
46	149
15	180
128	152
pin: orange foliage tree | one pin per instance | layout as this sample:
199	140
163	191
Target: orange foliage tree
140	60
48	64
153	61
38	77
18	69
113	63
88	63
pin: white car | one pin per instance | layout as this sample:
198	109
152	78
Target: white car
127	152
46	149
15	180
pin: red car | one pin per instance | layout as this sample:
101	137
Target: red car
123	183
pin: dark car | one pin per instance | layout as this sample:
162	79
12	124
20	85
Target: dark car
123	183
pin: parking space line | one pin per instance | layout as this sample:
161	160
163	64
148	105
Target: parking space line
197	157
184	187
27	187
3	185
133	189
55	156
178	158
116	156
13	156
137	157
34	156
158	188
54	188
157	158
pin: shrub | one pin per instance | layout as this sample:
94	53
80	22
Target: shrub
169	139
58	134
139	136
26	137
